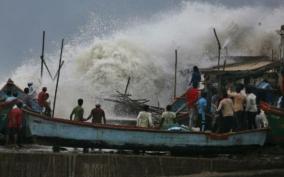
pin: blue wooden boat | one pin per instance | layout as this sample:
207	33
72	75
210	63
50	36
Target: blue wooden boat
63	132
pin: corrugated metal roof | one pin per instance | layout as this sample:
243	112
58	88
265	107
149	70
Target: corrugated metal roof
246	66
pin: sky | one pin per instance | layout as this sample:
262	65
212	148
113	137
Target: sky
22	22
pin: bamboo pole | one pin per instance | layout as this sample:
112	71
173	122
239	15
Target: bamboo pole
282	43
219	47
49	73
55	76
59	68
281	33
175	84
126	88
42	54
43	63
224	65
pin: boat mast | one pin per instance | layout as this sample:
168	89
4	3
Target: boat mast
126	88
175	86
58	75
281	33
43	63
219	47
42	54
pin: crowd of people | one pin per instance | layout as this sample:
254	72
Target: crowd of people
230	110
30	100
233	109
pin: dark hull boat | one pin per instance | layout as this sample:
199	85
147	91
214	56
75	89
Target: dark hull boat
275	117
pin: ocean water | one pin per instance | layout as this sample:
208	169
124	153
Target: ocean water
96	66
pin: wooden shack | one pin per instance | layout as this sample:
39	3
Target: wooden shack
247	70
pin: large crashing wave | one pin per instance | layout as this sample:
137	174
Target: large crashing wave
94	69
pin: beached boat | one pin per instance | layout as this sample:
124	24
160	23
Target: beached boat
275	117
250	70
62	132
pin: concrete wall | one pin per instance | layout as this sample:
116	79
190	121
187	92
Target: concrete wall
258	173
110	165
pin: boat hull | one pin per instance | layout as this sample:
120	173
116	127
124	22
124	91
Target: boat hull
276	135
67	133
275	117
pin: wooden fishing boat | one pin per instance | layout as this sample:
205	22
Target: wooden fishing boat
275	117
62	132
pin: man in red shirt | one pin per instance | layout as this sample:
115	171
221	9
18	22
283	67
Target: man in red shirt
192	95
15	118
41	96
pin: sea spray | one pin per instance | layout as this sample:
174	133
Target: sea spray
94	69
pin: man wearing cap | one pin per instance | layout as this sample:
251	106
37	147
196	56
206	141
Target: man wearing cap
32	91
98	115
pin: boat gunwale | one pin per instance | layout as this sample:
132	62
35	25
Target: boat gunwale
275	111
132	128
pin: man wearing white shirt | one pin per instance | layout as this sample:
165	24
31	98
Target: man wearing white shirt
144	118
251	108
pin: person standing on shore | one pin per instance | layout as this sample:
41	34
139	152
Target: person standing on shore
78	111
15	118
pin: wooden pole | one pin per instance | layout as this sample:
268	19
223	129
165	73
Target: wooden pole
219	47
227	52
47	69
281	33
126	88
59	68
224	65
55	76
42	54
43	63
280	52
175	86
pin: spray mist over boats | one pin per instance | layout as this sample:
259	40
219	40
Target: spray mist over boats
144	50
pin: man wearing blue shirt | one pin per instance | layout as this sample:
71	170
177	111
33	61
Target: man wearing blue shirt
201	105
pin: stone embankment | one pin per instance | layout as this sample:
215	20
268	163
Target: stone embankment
45	164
